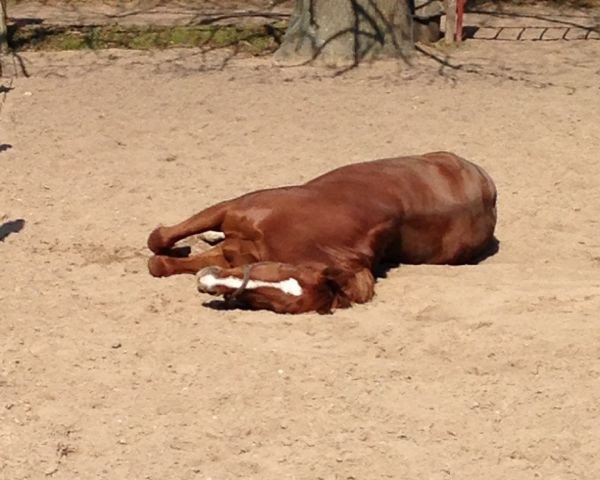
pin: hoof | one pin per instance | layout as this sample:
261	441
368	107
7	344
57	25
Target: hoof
159	267
157	241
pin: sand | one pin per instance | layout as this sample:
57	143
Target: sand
489	371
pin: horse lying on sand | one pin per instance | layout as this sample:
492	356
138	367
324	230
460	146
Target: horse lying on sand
317	246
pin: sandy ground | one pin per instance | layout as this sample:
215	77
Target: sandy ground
488	371
144	12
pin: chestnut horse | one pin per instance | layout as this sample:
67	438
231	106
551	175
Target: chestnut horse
317	246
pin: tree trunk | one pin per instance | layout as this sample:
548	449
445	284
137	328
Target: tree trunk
341	32
3	27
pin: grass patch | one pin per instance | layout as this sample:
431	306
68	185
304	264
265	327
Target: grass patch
255	40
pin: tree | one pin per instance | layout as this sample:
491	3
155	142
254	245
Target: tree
341	32
3	27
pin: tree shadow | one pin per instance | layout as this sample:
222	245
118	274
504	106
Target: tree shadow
10	227
88	20
193	13
449	70
563	24
26	21
558	18
556	34
196	41
546	18
371	30
18	65
5	146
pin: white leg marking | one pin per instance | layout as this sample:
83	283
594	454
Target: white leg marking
212	237
289	286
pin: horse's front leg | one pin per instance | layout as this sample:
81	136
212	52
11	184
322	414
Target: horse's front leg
165	266
211	219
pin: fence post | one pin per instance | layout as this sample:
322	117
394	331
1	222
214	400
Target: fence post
460	11
450	33
455	10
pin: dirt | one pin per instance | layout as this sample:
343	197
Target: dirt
450	372
145	12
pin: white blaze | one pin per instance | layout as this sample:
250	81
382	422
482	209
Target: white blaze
289	286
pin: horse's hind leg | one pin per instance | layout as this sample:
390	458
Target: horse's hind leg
164	266
163	238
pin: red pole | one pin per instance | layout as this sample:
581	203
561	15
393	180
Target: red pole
460	11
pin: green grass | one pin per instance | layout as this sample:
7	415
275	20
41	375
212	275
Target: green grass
255	40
